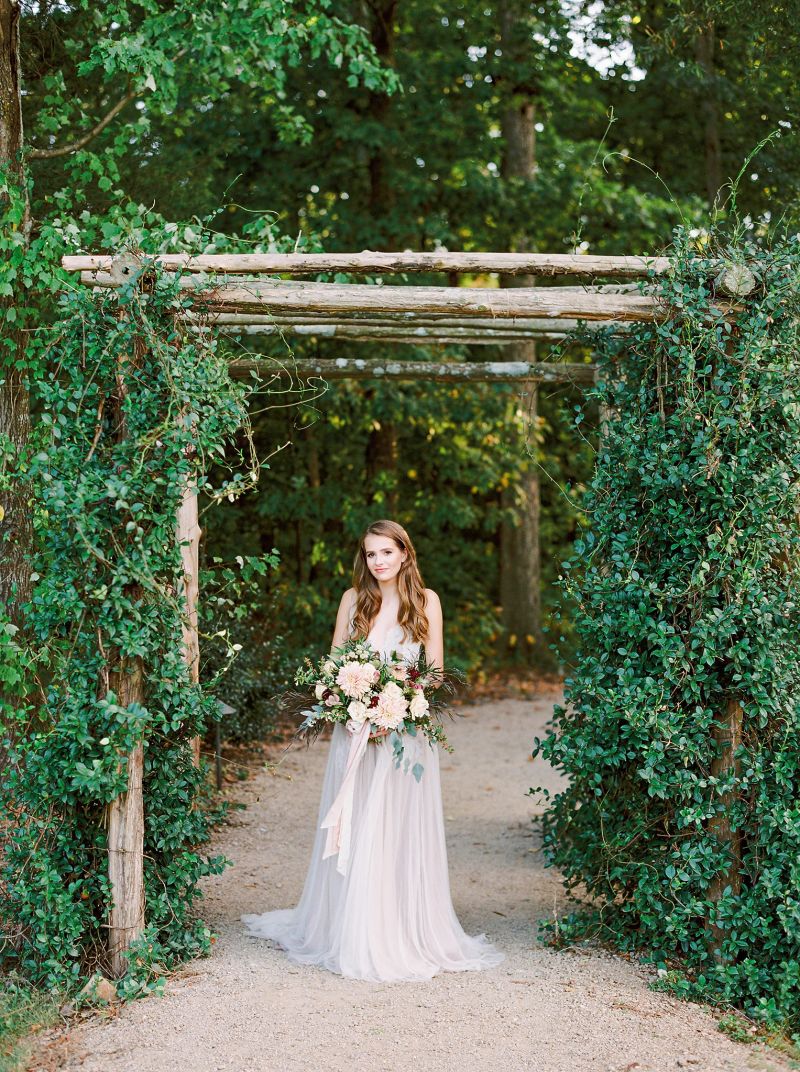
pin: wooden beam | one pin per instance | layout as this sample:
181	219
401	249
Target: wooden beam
271	296
268	296
463	371
408	336
541	264
402	321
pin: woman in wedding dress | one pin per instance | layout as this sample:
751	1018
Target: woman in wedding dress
380	907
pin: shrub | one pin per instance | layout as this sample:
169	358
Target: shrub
685	591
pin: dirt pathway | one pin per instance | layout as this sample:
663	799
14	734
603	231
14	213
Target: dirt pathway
248	1009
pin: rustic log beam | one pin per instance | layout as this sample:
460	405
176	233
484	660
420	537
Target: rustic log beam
463	371
271	296
413	337
264	295
402	321
542	264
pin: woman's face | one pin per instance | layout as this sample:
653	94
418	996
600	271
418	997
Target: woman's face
384	557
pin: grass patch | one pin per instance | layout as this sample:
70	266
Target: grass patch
23	1011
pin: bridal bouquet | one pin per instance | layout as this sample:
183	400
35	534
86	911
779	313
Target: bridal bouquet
355	685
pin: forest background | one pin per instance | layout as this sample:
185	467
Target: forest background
494	126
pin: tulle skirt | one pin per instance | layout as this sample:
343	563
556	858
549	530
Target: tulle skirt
391	916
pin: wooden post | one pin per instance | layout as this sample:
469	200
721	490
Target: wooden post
125	817
727	736
124	676
188	535
604	415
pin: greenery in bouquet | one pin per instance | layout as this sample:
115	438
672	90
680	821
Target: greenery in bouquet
397	696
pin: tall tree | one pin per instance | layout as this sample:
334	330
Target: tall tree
520	556
382	456
16	523
705	55
15	517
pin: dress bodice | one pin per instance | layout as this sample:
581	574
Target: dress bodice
393	641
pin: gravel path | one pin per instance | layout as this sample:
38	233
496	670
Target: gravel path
247	1008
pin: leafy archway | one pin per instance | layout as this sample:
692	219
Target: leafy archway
679	738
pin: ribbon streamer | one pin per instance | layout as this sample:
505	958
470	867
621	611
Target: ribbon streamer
339	818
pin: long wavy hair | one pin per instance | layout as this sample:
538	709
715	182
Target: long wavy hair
410	586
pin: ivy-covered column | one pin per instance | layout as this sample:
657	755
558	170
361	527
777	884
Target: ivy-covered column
680	731
104	799
123	679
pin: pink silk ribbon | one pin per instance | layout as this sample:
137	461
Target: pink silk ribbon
339	818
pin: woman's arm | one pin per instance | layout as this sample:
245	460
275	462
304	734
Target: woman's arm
342	629
434	644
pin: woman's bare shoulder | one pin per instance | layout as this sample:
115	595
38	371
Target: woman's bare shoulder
348	598
431	598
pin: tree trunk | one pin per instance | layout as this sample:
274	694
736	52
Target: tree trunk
382	443
314	484
520	563
381	21
16	533
16	520
704	54
382	457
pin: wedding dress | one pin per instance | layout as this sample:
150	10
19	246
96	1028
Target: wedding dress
389	916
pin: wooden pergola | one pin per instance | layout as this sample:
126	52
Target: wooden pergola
237	294
243	300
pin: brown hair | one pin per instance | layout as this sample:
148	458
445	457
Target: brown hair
410	586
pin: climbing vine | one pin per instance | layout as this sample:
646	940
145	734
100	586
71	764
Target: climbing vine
685	585
131	406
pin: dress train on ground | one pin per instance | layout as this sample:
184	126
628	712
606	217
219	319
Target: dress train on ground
390	917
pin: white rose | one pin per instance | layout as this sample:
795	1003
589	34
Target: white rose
329	667
357	712
319	689
419	705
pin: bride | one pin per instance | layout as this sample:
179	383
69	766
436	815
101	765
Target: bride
380	908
